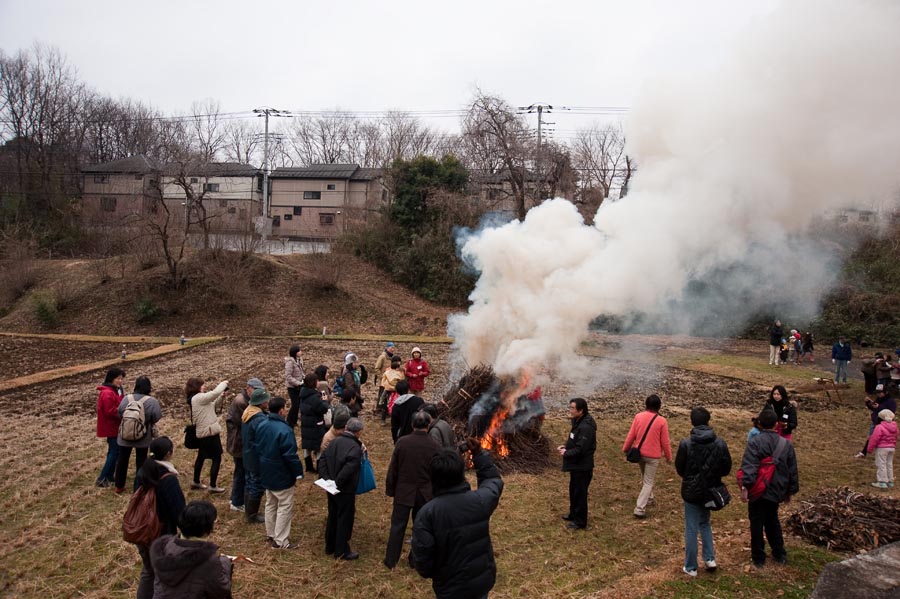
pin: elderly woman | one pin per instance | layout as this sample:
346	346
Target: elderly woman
205	408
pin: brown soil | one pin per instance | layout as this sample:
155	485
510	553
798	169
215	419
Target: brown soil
20	356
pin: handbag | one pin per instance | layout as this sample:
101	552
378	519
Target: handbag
190	433
719	498
366	476
634	454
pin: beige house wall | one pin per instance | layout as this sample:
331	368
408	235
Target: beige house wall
349	201
124	193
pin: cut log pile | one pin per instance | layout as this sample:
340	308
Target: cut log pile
529	449
844	520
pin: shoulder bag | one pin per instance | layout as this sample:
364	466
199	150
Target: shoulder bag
190	432
634	454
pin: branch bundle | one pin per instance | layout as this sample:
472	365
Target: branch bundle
844	520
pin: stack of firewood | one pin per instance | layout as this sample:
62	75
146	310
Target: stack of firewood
844	520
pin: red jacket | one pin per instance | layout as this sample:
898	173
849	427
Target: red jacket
416	371
108	411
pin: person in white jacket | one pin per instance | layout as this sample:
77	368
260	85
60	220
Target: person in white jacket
205	408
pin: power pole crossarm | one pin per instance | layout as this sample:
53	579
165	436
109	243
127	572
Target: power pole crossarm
266	112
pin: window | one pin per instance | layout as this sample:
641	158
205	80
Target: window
312	195
259	182
108	204
194	180
232	210
243	214
276	221
214	187
326	218
101	179
288	217
298	210
331	187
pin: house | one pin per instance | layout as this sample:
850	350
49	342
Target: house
321	200
493	192
129	189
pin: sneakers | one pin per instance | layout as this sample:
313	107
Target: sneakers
860	454
103	483
198	487
216	489
235	508
880	485
711	565
286	547
891	485
691	573
640	514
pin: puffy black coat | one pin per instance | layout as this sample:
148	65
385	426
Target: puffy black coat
785	481
405	407
451	541
188	568
312	418
781	408
776	334
341	462
581	445
701	462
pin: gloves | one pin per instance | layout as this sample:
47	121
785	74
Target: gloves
473	445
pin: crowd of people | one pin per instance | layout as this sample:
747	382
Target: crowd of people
450	539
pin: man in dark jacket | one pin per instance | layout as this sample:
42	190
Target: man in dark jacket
189	565
785	482
409	482
578	461
701	463
404	407
451	535
279	470
841	354
234	442
340	462
776	334
250	420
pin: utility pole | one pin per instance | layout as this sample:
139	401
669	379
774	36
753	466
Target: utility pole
266	112
539	108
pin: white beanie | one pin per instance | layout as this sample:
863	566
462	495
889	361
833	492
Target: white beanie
886	415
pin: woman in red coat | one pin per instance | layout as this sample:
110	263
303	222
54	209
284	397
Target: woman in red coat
108	421
416	371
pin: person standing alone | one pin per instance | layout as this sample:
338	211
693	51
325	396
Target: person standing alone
701	462
649	432
578	461
776	334
841	354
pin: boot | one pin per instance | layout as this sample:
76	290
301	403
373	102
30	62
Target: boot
251	510
309	464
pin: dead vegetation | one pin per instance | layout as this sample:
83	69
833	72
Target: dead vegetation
846	520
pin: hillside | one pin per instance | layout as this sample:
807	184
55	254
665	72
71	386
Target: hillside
266	295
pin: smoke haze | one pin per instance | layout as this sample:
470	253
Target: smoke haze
735	161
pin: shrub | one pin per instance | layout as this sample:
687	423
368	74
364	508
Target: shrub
146	311
45	310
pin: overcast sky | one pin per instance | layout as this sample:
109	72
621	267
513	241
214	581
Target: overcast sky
375	56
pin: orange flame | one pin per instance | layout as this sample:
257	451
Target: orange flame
493	439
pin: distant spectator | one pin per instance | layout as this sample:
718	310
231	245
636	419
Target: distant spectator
108	420
416	372
389	380
868	370
152	415
381	365
323	386
883	369
841	354
882	444
189	565
808	346
883	401
293	374
405	406
656	445
205	408
776	333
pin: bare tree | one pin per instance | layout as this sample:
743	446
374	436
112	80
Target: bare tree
599	155
322	139
243	142
208	131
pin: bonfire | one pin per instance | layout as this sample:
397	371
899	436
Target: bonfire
504	414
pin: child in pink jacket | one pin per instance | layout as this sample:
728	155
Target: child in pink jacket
882	444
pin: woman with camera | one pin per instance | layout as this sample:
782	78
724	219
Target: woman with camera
205	408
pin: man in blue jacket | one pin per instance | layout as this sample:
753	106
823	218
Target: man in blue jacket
841	355
279	469
451	537
253	415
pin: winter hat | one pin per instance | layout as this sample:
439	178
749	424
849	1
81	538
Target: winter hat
416	349
255	384
389	344
259	397
879	388
886	415
350	359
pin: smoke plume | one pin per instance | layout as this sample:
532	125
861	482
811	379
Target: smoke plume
735	161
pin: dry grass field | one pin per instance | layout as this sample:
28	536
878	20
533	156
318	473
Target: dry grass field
60	536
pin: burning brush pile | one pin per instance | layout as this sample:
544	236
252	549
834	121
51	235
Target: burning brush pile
844	520
505	414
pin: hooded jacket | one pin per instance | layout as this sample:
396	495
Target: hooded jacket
884	436
108	411
785	481
189	569
701	462
416	371
404	408
451	535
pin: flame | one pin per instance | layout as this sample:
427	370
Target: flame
493	440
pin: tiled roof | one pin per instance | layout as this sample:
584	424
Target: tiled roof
139	164
215	169
317	171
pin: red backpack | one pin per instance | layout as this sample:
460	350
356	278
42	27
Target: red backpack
141	524
765	473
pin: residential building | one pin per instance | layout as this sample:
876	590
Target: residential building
493	192
320	201
116	191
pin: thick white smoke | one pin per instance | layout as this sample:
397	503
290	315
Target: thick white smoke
734	162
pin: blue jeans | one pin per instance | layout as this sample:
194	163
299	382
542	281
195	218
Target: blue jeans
238	483
254	488
696	518
112	456
840	371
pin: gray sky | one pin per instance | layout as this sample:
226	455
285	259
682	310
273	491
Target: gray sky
374	56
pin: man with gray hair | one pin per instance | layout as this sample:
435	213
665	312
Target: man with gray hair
341	462
409	482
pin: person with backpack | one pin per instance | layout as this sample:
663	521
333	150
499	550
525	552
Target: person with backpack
701	462
108	422
768	477
205	407
138	414
649	434
159	478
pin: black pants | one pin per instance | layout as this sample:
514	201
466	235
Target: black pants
210	449
122	464
339	527
399	521
579	481
764	517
